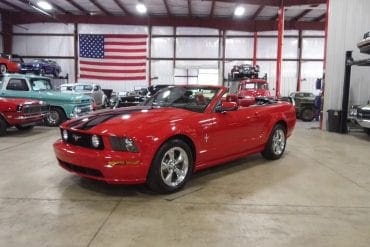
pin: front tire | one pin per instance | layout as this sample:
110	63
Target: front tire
24	128
3	69
55	117
3	127
276	144
171	168
307	115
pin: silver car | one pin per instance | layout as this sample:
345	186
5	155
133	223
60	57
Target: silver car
93	90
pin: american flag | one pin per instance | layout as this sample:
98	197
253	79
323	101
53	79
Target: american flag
113	57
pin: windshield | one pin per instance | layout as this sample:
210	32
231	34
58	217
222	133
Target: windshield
254	86
40	84
190	98
80	88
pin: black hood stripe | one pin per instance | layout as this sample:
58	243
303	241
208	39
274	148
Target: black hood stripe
99	118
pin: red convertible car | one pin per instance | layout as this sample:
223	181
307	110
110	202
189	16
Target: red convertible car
180	130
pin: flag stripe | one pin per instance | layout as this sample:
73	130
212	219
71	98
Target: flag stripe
113	62
107	43
124	40
112	67
113	57
121	78
113	70
125	35
112	50
125	57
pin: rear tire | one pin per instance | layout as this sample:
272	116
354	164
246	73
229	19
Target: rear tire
55	117
3	69
367	130
3	127
171	168
307	115
24	128
276	144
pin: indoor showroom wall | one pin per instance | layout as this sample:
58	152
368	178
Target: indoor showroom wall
348	21
206	68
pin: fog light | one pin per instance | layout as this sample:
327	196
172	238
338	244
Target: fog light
95	141
65	135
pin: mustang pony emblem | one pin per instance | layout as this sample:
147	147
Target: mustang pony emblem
76	137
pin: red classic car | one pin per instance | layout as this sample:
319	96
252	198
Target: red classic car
180	130
21	113
10	63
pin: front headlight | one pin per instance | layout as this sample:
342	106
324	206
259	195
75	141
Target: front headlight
353	112
77	110
65	135
123	144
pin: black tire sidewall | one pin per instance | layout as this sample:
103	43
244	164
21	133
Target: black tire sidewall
268	153
60	119
307	119
3	126
154	179
3	66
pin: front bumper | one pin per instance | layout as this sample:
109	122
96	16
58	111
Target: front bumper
364	123
110	166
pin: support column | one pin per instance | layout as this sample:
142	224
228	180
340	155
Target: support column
324	65
7	29
299	69
150	56
255	43
75	54
279	48
223	56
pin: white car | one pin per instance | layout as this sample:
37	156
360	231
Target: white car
92	90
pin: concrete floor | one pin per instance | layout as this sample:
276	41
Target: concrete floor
318	194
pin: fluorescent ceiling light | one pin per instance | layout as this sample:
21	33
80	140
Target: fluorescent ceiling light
44	5
239	11
141	8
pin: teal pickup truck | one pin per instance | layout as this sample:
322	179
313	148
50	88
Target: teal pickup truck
63	106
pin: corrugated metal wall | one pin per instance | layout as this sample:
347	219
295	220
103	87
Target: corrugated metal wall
348	21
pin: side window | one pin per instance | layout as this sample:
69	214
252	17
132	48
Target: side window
17	85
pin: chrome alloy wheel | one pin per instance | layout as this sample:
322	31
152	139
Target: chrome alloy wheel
53	118
174	166
278	141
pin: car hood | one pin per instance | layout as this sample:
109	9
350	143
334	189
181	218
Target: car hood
19	101
129	119
60	96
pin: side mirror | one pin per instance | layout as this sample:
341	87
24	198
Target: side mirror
227	106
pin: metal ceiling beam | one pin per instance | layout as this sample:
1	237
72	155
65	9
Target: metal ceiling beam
212	9
167	7
219	23
79	7
122	7
275	2
100	7
41	11
189	8
258	11
320	18
13	6
302	14
57	7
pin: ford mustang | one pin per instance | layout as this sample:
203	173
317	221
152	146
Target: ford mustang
178	131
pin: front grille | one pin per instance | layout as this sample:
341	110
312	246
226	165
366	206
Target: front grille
35	109
363	114
82	140
81	169
85	101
